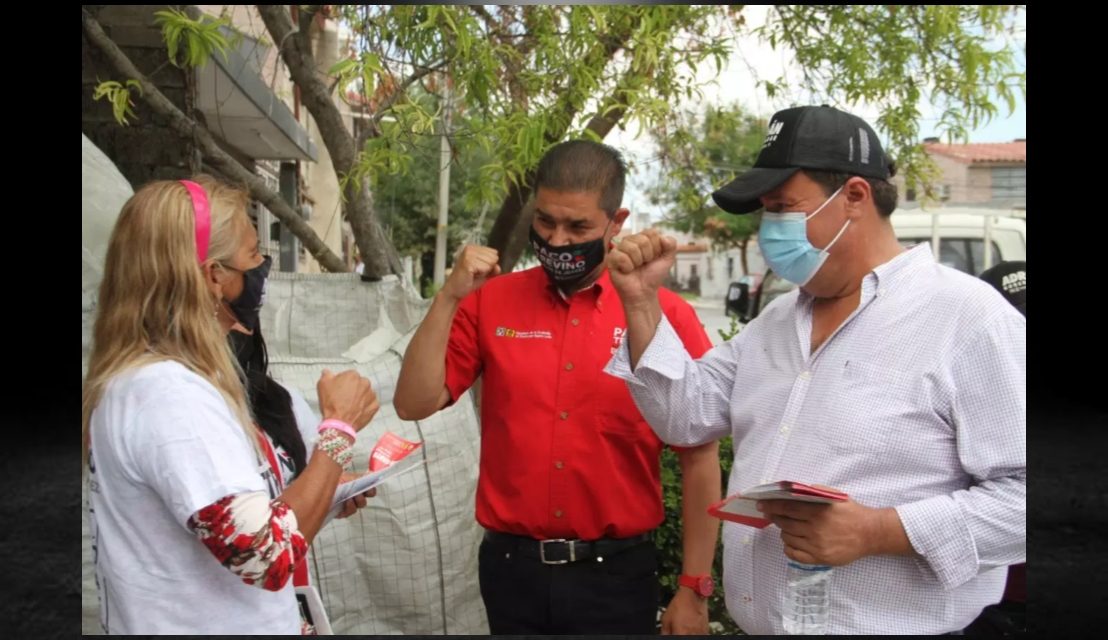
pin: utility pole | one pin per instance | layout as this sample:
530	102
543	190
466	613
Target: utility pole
444	189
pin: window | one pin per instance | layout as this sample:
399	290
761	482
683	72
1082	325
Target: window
955	253
1009	184
964	254
269	228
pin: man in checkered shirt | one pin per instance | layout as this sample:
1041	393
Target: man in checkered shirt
885	375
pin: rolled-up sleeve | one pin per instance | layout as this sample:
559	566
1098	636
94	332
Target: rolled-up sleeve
685	401
983	526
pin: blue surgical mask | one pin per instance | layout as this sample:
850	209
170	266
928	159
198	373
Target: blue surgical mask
783	239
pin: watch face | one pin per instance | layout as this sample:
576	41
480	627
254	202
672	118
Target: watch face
706	586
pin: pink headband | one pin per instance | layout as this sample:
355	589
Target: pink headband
203	217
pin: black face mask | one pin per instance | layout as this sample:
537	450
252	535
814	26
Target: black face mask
250	301
567	265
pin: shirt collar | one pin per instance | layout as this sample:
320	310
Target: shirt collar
890	274
601	291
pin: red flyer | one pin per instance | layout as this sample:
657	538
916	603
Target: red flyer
389	449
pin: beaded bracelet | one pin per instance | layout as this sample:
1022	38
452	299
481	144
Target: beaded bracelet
336	446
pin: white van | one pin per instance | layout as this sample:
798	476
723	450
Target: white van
961	233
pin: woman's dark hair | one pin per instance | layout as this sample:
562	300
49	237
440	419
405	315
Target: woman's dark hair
270	403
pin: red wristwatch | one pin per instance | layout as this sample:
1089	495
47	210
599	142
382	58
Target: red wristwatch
703	586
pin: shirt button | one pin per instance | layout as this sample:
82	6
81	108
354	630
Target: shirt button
558	464
747	540
569	366
558	513
764	481
575	322
805	375
564	415
784	428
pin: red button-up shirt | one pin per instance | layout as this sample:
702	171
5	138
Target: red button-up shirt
564	451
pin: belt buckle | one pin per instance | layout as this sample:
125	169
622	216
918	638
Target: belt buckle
542	551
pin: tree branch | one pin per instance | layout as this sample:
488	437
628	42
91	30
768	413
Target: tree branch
371	129
486	17
190	129
377	252
297	56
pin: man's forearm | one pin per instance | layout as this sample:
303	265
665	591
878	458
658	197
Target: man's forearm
700	488
420	386
888	536
642	323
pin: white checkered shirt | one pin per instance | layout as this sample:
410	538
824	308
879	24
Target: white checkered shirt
916	402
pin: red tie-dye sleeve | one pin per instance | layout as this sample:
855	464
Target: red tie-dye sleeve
255	538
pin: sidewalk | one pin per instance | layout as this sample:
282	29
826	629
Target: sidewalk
707	303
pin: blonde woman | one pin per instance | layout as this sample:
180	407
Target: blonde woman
194	529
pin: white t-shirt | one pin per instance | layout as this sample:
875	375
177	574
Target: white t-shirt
164	444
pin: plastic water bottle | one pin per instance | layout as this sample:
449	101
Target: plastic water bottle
807	599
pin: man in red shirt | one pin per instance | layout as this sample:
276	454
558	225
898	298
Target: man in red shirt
569	486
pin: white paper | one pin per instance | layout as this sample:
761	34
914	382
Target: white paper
364	483
745	504
776	493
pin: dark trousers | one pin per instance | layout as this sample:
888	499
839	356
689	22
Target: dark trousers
523	596
1008	618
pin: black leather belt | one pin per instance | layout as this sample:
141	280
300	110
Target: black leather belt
562	551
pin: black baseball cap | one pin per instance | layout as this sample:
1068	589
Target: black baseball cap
821	138
1010	279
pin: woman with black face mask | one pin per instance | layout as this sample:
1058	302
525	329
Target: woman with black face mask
196	526
281	414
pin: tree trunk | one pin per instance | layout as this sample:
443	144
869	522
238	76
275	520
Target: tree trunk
373	245
517	244
378	254
504	229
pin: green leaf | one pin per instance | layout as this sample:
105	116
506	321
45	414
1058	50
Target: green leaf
200	38
342	67
119	97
